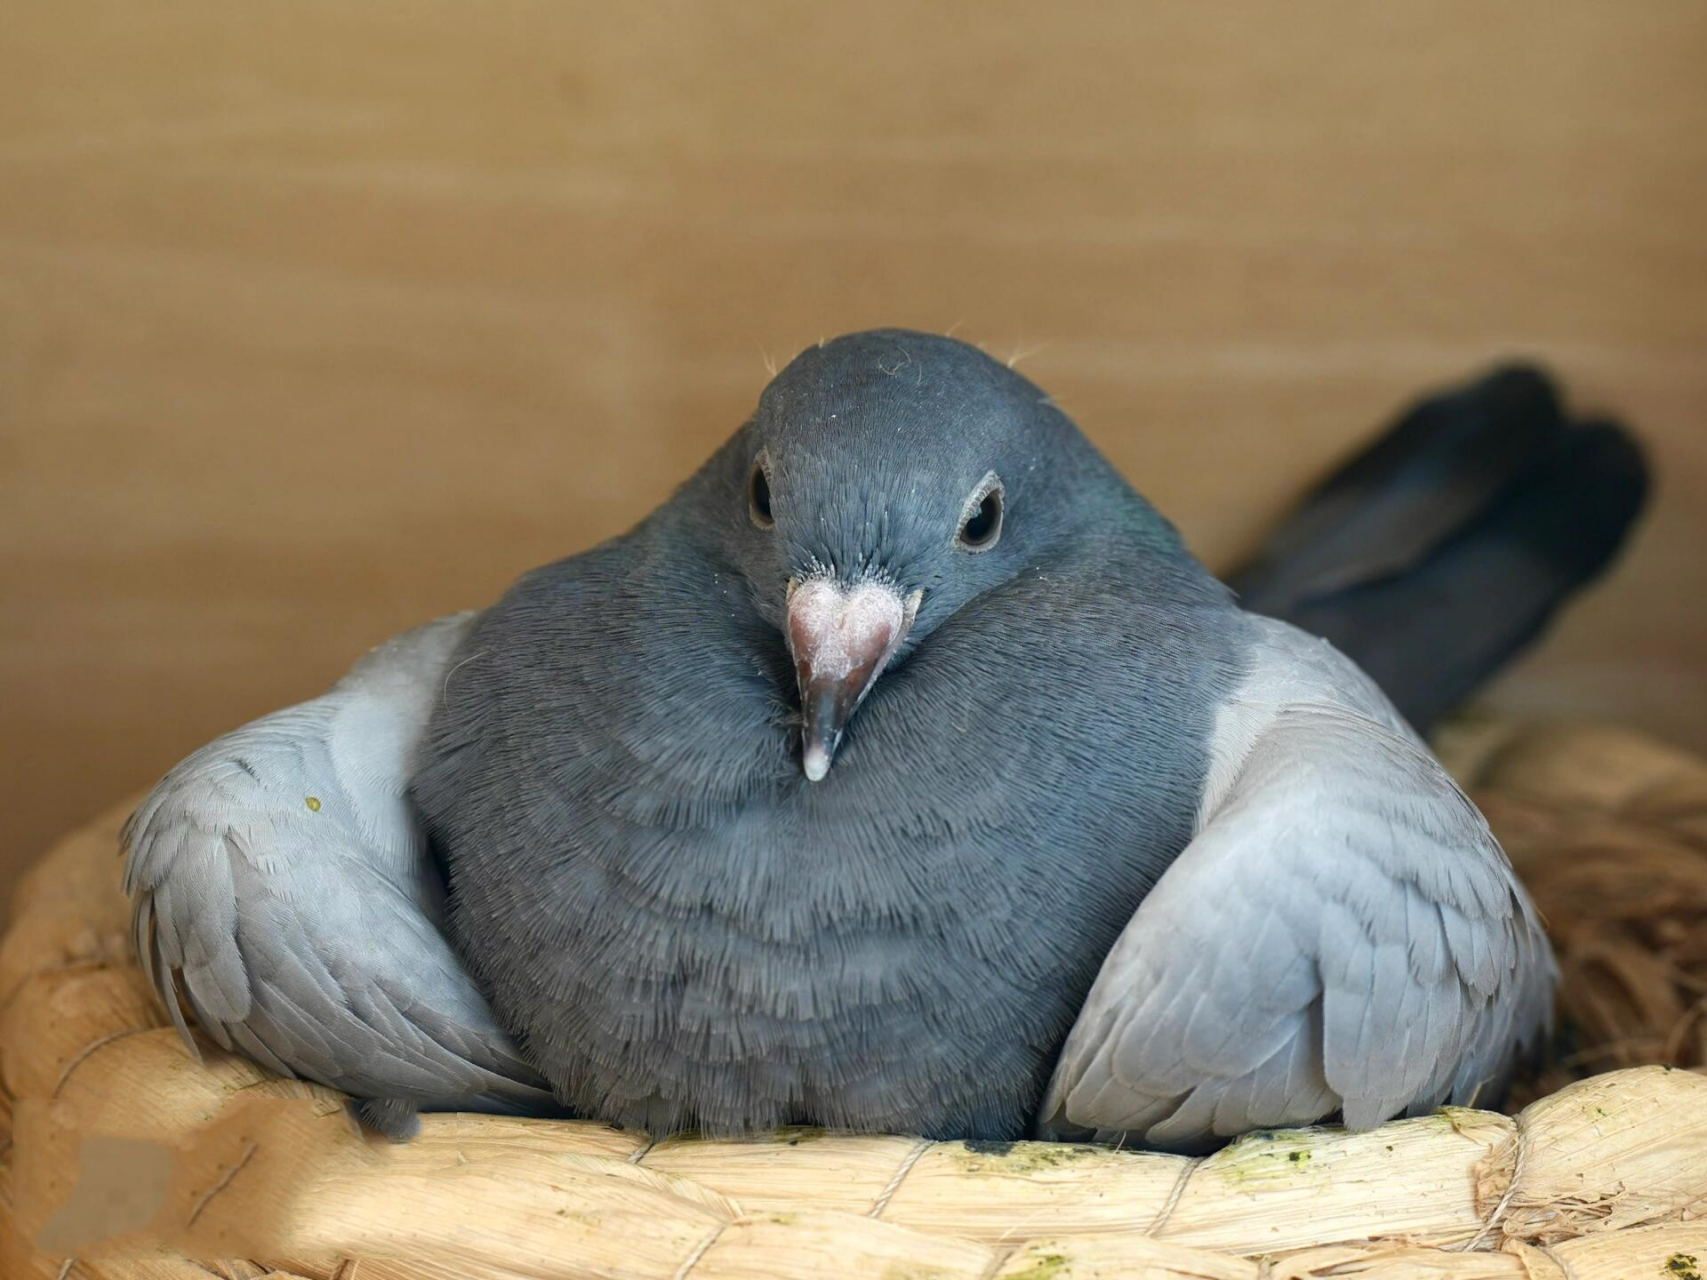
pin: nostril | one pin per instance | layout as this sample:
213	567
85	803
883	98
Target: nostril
838	630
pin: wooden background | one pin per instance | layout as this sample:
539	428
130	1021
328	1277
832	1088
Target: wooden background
320	319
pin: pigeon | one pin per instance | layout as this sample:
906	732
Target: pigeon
1437	555
903	772
282	889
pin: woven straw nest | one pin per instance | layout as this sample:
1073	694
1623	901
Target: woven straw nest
130	1157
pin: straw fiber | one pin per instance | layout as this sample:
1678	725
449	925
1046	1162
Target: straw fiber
125	1157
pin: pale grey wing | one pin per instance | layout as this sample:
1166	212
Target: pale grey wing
1344	935
282	890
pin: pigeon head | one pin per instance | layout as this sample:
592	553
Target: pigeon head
886	479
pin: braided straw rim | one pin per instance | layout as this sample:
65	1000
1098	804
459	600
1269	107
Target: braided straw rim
125	1157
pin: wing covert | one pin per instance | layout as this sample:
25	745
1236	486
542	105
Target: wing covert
1343	935
282	891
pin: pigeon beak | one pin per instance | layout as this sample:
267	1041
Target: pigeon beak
841	638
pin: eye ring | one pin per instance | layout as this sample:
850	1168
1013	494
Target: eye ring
981	519
759	492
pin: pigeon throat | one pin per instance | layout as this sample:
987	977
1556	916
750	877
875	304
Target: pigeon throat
841	637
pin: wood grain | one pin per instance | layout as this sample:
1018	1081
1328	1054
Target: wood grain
321	319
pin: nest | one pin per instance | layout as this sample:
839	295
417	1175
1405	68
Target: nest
128	1158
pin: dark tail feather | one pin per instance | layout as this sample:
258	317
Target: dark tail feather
1383	511
1441	552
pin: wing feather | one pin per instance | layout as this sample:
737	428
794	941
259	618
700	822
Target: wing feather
1343	935
281	889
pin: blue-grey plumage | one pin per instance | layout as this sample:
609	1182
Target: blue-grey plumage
282	889
902	772
910	562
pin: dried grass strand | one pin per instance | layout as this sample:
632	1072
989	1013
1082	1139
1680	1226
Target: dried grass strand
1608	1177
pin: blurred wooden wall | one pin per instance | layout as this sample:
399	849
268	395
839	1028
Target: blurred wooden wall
320	319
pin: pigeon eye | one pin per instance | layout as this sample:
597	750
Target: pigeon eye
759	496
981	522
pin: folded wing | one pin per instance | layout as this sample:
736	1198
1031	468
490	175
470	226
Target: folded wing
1342	936
283	891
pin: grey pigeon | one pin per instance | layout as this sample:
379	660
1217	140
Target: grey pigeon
1039	708
283	890
904	772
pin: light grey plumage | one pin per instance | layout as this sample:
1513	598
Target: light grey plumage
1342	934
283	890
